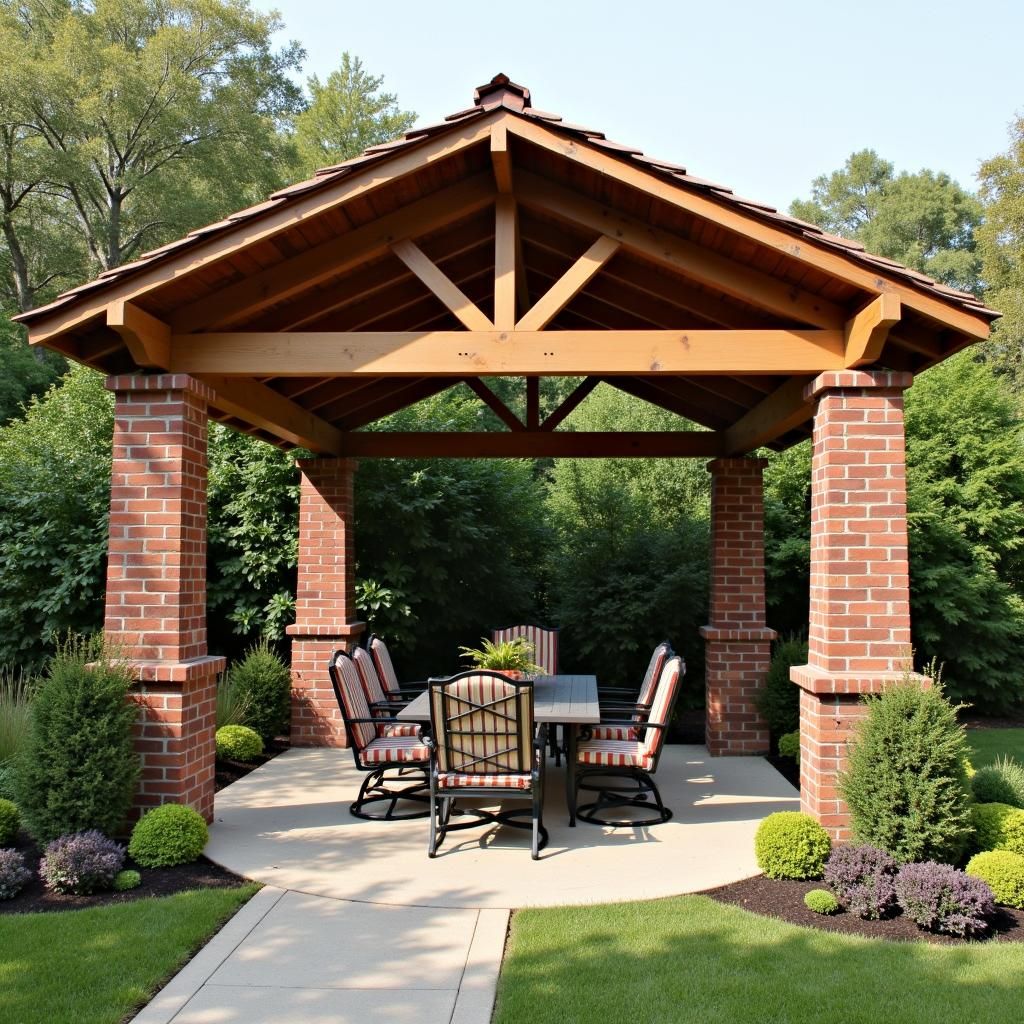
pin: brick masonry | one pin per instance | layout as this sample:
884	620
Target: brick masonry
737	639
859	637
325	611
156	582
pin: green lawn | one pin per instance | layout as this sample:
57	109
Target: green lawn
691	959
987	744
95	966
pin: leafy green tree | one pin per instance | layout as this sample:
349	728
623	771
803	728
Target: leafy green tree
24	372
1001	244
924	220
346	115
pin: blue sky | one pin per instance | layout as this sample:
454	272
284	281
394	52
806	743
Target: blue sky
759	96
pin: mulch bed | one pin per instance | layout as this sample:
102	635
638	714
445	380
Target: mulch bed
203	874
785	900
1012	721
231	771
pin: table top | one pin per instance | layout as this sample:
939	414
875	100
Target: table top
563	699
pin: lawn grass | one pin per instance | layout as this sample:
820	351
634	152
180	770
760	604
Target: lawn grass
988	744
95	966
692	959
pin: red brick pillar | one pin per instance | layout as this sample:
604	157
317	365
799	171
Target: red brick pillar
859	638
156	581
325	606
737	640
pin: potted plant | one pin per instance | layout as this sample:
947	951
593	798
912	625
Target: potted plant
512	658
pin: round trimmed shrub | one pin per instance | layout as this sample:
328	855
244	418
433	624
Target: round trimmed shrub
998	827
127	879
168	835
790	844
10	822
262	681
77	768
905	782
82	863
13	874
1001	782
789	745
863	878
238	743
1003	872
939	898
821	901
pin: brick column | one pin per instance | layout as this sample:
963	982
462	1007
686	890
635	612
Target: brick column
737	640
859	639
325	606
156	582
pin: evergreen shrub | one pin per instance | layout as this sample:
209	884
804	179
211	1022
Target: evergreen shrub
905	783
998	827
78	767
238	743
1003	872
779	700
262	680
127	879
1001	782
10	822
789	844
821	901
789	745
168	835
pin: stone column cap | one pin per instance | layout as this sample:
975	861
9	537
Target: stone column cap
159	382
741	634
819	681
857	380
725	465
318	629
178	671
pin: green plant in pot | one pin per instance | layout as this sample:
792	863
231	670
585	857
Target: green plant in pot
513	658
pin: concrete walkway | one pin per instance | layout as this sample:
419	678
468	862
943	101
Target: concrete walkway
357	924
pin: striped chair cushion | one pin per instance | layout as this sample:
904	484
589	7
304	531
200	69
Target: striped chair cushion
368	676
661	706
354	703
613	732
454	780
614	754
651	676
482	723
403	729
395	750
382	659
545	644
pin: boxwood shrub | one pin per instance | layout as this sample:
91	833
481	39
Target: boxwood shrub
10	822
789	844
998	827
821	901
238	743
127	879
168	835
1003	872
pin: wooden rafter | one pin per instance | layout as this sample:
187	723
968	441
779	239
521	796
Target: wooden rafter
574	280
784	409
501	158
867	331
147	338
694	261
441	285
495	404
532	444
505	263
482	353
571	402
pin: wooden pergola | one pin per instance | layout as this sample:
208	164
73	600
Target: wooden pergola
502	241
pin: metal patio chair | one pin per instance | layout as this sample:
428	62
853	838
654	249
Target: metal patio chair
397	765
620	772
484	745
380	705
615	702
393	690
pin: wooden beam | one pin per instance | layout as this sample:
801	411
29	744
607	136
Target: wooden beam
571	402
494	403
256	292
362	182
684	257
263	407
505	263
867	330
516	353
441	285
147	338
732	218
784	409
533	403
574	280
501	158
533	444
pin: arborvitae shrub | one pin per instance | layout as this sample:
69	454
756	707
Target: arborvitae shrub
905	783
262	680
78	767
779	700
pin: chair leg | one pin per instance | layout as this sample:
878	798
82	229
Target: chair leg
570	773
613	794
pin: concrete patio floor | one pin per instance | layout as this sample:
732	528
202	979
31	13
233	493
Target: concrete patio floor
287	824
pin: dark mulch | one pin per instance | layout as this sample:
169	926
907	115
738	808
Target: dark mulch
35	897
231	771
786	767
785	900
1014	720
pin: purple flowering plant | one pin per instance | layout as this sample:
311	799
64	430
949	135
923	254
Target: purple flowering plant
863	879
13	873
939	898
81	863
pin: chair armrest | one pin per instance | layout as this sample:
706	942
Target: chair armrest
387	705
616	689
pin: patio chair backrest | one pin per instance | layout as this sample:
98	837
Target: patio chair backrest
543	638
482	723
348	689
653	674
382	659
665	694
368	676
